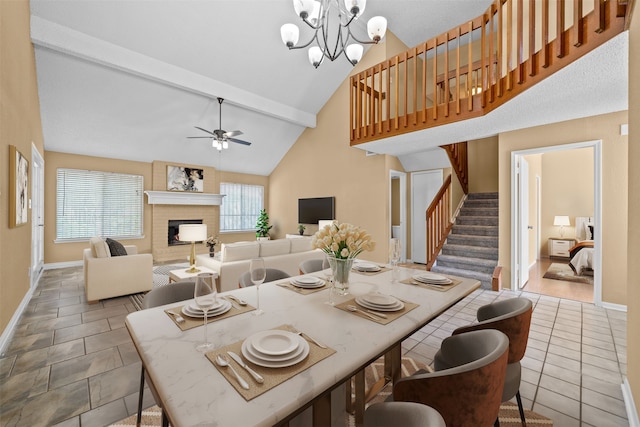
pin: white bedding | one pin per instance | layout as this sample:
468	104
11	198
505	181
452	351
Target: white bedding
582	260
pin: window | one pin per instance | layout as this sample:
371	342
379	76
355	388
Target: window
241	206
90	203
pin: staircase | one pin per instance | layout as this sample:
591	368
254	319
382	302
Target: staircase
471	249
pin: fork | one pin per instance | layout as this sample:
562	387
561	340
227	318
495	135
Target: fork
303	335
178	318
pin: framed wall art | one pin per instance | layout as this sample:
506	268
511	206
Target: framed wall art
185	179
18	188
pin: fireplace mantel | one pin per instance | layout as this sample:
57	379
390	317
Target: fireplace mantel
183	198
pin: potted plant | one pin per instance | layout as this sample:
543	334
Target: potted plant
262	226
301	229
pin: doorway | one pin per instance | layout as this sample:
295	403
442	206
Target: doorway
424	187
398	209
37	216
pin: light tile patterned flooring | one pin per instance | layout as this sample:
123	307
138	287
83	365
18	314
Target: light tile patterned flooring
73	364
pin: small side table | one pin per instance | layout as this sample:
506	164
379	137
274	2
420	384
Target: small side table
559	246
181	274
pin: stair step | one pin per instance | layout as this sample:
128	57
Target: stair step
485	279
475	230
472	240
492	203
472	251
478	211
465	263
477	220
475	196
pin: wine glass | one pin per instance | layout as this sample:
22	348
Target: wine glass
258	274
394	254
205	295
328	277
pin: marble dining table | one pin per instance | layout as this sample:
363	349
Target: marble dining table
193	392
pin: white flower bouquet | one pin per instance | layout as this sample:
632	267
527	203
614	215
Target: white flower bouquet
343	241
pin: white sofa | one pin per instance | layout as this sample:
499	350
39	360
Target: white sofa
107	276
234	258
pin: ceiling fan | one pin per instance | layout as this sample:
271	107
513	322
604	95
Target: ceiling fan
220	138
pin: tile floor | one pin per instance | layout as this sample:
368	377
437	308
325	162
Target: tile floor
73	364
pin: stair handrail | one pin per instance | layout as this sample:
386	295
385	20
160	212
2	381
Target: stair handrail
439	224
458	157
478	66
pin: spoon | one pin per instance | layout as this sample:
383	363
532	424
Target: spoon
221	360
356	309
236	299
176	316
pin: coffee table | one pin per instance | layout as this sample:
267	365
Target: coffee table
182	274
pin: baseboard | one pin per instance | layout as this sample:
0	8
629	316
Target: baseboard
629	404
55	265
8	331
612	306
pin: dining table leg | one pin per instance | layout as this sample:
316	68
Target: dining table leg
360	398
393	363
322	410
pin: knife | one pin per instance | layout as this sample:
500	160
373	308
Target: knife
256	376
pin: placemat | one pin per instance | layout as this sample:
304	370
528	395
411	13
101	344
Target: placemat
303	291
193	322
370	273
391	315
272	376
441	288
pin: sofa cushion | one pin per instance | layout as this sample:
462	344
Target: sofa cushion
274	247
99	248
116	248
300	244
239	251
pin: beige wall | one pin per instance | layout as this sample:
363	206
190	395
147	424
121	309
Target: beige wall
614	190
20	126
633	293
483	165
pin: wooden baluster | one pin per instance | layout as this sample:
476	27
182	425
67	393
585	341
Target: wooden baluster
424	85
435	81
520	38
485	53
371	98
397	91
358	112
500	53
533	58
470	85
510	46
546	46
406	89
445	83
560	33
388	96
415	86
492	64
458	71
578	22
599	10
380	98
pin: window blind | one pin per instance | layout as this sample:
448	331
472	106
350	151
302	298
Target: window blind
241	206
92	203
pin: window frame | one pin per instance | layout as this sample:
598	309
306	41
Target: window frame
230	199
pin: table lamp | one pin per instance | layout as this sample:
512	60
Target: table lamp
192	233
561	220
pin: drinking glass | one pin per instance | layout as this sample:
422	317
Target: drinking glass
258	274
328	277
205	296
394	255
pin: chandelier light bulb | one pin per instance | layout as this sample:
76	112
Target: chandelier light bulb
315	56
355	7
290	35
354	53
314	17
377	27
303	8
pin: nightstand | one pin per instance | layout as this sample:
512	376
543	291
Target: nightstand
559	247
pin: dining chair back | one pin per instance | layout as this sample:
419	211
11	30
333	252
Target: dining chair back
406	414
310	266
512	317
468	391
272	275
173	292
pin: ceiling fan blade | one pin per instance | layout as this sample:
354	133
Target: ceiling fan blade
233	133
208	137
238	141
204	130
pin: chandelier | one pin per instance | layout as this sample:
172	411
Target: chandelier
331	22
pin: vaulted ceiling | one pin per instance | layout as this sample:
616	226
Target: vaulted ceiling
129	79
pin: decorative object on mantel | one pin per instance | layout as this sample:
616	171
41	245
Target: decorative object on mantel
324	17
18	187
193	233
301	229
183	198
262	226
342	243
212	241
185	179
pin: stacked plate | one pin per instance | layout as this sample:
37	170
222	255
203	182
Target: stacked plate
220	307
275	348
380	302
366	266
307	282
432	279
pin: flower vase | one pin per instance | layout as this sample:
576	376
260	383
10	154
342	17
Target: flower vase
212	250
340	269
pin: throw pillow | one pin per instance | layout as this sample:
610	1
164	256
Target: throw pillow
116	248
99	248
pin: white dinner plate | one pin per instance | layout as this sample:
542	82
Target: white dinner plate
223	308
195	309
307	280
376	298
431	278
277	364
274	342
279	358
396	307
318	284
367	266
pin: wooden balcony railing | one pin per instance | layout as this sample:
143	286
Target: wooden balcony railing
458	157
439	223
478	66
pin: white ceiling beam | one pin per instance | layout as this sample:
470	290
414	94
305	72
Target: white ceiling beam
65	40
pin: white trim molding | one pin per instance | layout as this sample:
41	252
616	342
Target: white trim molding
183	198
10	328
629	404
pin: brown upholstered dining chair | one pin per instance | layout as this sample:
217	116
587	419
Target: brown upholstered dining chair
405	414
468	391
513	318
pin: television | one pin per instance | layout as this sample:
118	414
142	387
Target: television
312	210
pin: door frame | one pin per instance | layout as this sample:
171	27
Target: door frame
36	203
402	176
597	207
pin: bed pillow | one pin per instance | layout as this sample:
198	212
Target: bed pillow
588	231
116	248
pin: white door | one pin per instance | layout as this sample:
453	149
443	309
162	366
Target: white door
402	200
522	248
424	186
37	216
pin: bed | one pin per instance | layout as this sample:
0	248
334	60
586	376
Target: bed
582	252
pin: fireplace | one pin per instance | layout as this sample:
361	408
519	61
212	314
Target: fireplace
174	227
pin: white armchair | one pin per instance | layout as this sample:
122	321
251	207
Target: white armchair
108	276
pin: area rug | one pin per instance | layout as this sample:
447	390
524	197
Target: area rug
559	271
160	278
509	416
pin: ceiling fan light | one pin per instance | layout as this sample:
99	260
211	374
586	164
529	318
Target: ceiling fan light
225	144
315	56
354	53
377	27
218	146
355	7
303	8
290	35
